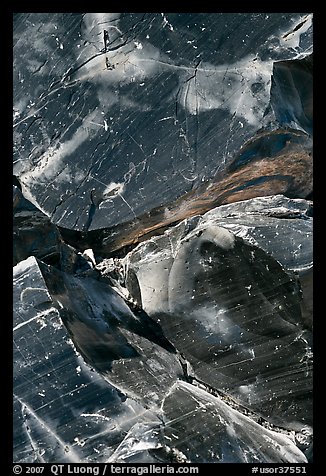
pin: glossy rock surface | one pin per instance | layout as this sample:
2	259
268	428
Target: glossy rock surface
205	429
70	414
129	112
33	232
127	347
203	283
63	410
163	225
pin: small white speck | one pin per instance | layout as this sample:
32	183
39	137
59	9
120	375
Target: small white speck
61	46
165	22
78	369
106	127
79	442
249	288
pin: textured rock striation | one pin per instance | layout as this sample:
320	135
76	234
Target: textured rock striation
164	116
163	225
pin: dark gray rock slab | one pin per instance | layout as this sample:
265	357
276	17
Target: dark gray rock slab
35	235
196	346
33	232
280	226
63	411
128	348
230	307
198	427
205	429
118	116
291	93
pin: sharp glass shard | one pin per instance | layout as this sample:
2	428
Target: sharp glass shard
205	430
163	224
63	410
128	348
178	109
202	283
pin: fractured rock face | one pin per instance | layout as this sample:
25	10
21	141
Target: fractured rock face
163	237
62	410
127	347
201	428
231	309
205	430
213	310
33	232
118	120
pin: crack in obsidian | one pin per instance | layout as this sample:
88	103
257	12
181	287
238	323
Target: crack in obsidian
163	313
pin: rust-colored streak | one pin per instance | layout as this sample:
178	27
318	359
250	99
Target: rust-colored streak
288	173
274	186
293	172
